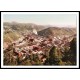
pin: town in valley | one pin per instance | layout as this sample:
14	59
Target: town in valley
31	44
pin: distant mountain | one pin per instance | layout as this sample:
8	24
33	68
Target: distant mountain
56	31
14	30
23	26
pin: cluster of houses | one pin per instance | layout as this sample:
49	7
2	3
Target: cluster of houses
32	46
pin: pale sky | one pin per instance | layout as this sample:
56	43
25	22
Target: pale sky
42	19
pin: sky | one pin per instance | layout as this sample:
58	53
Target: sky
43	19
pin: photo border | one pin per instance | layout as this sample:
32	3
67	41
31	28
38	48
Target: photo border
46	66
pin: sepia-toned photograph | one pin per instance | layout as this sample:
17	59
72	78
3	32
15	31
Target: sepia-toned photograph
39	40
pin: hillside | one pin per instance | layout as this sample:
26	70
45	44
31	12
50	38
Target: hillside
22	26
12	31
56	31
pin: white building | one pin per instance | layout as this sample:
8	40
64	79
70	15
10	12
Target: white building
35	31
